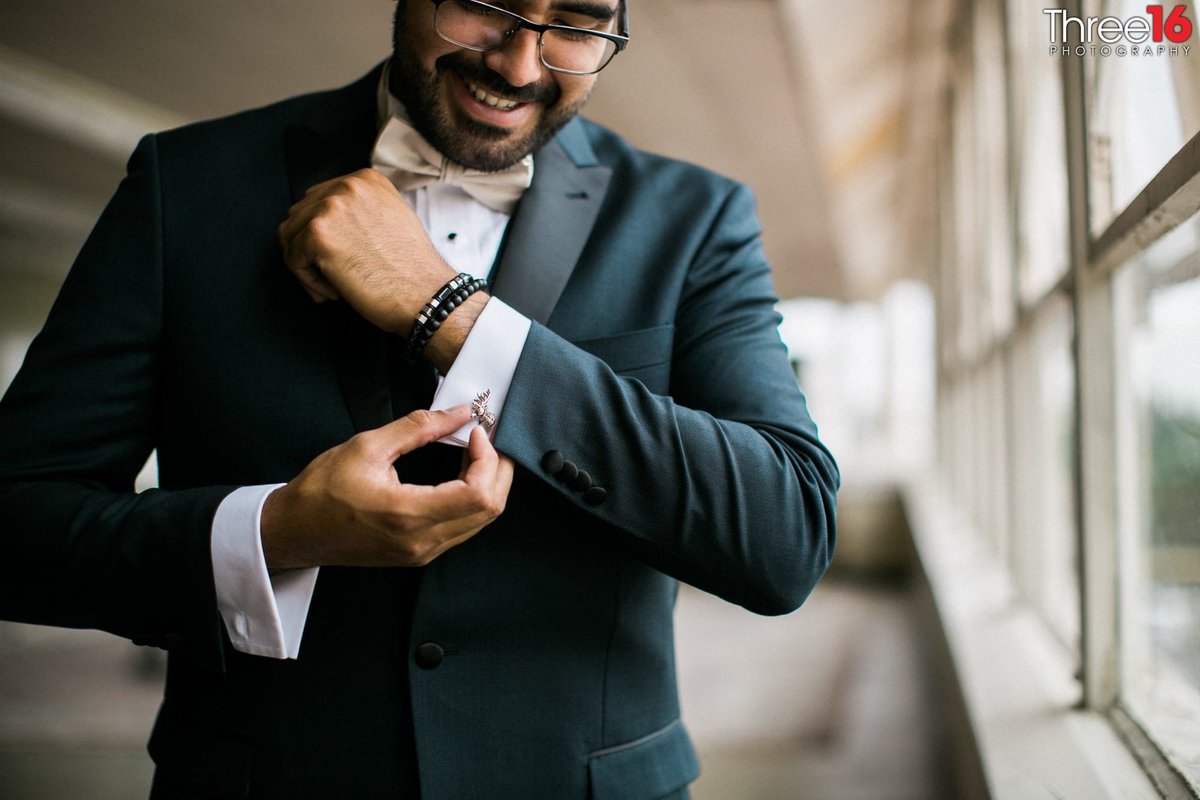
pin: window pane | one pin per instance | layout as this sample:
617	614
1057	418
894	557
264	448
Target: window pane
1139	115
991	173
968	340
1045	533
1157	299
1040	141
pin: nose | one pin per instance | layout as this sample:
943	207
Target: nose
517	61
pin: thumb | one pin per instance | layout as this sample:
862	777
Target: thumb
420	428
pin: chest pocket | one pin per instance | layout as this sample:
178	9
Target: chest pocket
644	354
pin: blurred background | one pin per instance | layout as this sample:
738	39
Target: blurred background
989	254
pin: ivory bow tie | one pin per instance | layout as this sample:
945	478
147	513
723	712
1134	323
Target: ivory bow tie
410	162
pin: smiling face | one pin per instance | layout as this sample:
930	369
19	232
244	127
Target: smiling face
483	110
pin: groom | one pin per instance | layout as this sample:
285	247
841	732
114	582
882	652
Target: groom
362	597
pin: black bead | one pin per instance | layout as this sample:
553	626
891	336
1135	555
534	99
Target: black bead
552	462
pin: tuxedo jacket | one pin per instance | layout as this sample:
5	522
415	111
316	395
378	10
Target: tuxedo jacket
534	661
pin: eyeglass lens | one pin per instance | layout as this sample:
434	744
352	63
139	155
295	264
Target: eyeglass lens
479	26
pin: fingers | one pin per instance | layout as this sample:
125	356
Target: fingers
477	497
482	458
488	475
452	509
296	233
487	468
419	429
297	258
294	240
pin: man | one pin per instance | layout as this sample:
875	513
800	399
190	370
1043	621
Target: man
347	611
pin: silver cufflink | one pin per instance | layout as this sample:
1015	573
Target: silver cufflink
479	409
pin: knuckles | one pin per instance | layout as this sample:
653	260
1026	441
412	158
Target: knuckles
486	502
361	445
414	553
421	418
360	184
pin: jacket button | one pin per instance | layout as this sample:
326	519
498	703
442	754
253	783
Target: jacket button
582	482
552	462
568	473
595	495
429	655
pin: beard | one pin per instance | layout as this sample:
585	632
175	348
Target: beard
456	135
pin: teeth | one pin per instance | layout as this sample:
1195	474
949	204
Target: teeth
491	99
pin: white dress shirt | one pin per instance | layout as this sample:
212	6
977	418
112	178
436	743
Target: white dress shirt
264	612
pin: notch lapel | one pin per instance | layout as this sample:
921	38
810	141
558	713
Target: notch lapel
552	224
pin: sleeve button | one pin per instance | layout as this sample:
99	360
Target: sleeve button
552	462
595	496
582	482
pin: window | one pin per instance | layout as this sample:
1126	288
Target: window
1157	296
1069	394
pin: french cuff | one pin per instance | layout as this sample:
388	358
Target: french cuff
487	361
264	614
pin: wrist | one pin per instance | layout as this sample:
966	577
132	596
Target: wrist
443	348
275	524
414	298
443	309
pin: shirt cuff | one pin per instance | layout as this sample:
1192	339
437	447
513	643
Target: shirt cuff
264	614
487	360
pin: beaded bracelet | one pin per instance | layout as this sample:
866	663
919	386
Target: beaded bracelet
434	313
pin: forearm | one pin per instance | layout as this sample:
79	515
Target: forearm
136	565
77	546
738	500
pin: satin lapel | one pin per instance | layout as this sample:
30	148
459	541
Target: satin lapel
551	224
337	140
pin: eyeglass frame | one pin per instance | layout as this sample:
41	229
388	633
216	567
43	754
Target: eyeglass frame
620	39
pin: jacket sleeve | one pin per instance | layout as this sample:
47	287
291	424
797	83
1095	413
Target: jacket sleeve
724	484
78	547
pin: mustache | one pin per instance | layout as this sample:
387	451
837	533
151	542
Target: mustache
547	93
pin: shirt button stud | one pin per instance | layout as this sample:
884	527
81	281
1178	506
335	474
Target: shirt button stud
429	655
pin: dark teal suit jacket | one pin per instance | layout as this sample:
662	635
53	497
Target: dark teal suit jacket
654	364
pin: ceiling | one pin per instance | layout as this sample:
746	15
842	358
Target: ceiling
828	114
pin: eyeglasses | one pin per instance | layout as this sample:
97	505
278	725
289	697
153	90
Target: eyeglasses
561	48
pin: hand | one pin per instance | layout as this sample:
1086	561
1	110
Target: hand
355	238
348	508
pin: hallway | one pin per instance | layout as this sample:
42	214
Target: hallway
829	703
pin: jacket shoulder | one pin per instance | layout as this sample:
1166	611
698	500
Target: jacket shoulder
652	170
244	125
234	137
